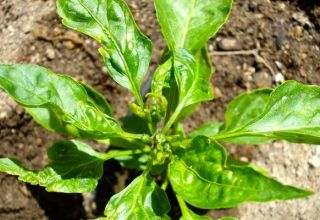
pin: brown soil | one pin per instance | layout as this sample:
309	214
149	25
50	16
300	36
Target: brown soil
287	33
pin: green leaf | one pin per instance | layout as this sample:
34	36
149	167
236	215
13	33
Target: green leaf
203	178
208	129
58	102
134	124
245	109
74	168
98	99
190	24
125	50
142	199
192	77
292	113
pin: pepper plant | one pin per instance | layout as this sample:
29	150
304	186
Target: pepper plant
151	139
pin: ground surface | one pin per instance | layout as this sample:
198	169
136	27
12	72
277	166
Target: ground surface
287	35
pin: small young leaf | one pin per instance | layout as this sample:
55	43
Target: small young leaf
125	50
74	168
202	168
58	102
246	108
134	124
190	24
208	129
292	113
142	199
192	77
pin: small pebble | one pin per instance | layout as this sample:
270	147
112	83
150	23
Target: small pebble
301	18
68	44
262	79
279	65
314	161
279	78
51	54
229	44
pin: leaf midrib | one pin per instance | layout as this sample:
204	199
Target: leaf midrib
186	30
111	38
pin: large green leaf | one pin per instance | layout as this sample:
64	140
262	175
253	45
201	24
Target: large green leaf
292	113
202	177
142	199
192	78
74	168
190	24
58	102
125	50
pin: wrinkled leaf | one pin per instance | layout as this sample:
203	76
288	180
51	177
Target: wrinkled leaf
203	178
292	113
192	78
57	102
125	50
190	24
74	168
98	99
142	199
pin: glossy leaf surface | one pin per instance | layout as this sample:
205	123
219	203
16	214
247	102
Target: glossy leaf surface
142	199
292	113
192	78
208	129
58	102
246	108
98	99
74	168
125	50
203	178
190	24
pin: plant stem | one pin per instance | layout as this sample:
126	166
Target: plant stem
172	119
115	154
183	206
165	183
